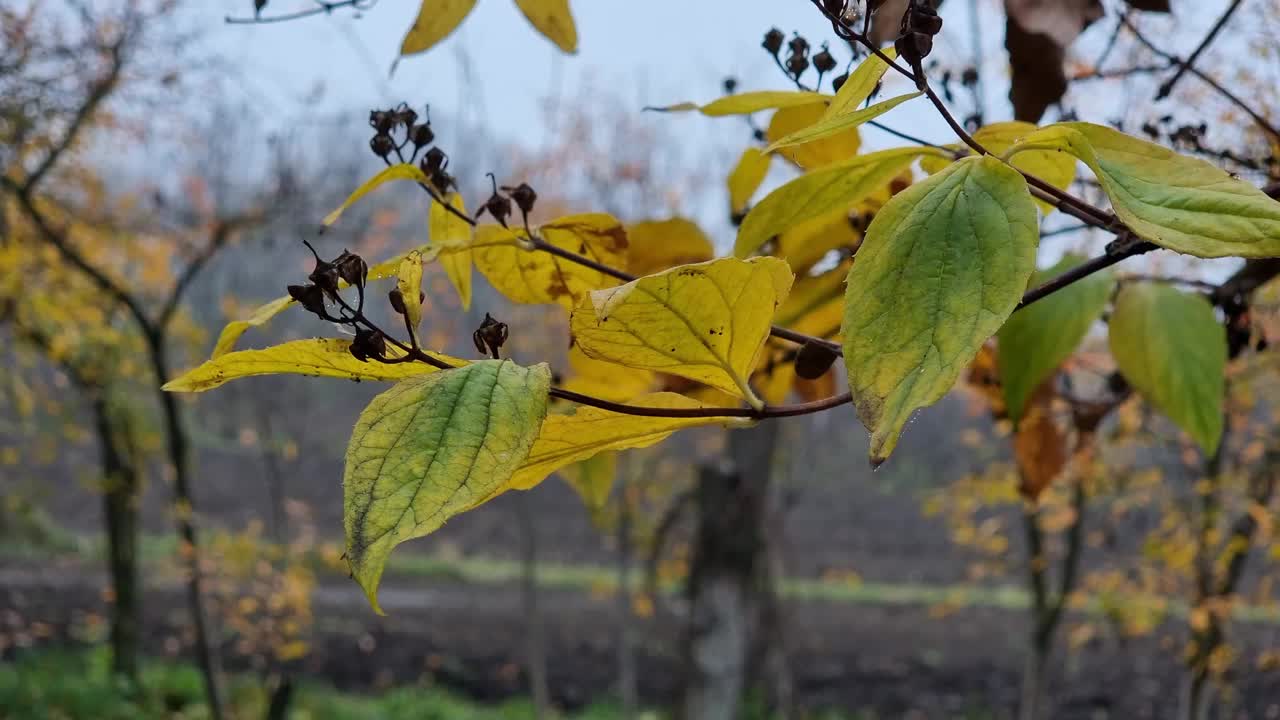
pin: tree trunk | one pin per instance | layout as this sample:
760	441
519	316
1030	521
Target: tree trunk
535	645
627	687
120	508
724	590
184	517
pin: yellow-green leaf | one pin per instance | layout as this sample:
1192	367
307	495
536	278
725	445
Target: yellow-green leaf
319	357
1169	345
655	245
401	171
832	124
573	437
430	448
860	84
706	322
409	283
453	235
592	478
1175	201
746	178
230	334
819	193
1038	338
1056	168
553	19
534	276
836	148
436	19
942	266
750	102
805	244
605	380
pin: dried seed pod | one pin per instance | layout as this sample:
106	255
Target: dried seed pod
814	360
352	268
773	41
310	297
823	62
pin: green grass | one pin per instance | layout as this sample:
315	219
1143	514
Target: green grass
78	685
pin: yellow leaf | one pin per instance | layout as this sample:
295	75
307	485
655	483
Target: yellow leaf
231	333
534	276
830	125
836	148
657	245
751	102
706	322
572	437
453	236
774	377
553	19
592	478
436	19
1056	168
401	171
820	193
605	380
409	283
746	178
808	242
327	357
816	303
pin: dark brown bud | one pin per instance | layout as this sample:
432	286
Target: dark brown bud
498	206
382	145
773	41
839	81
434	160
798	45
814	360
823	62
352	268
369	344
397	300
406	116
490	336
797	64
381	121
730	85
325	274
310	297
524	197
833	7
914	47
969	77
421	135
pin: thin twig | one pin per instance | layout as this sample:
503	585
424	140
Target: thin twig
322	7
1183	67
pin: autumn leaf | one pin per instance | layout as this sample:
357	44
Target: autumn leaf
806	244
750	102
860	85
657	245
1175	201
819	153
401	171
746	178
328	357
430	448
409	283
1039	445
1037	339
436	19
452	236
605	380
572	437
1169	345
830	125
1056	168
706	322
942	266
592	478
553	19
535	277
819	193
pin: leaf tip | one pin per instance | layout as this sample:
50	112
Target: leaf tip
876	461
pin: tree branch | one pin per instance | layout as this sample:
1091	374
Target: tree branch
1167	86
322	7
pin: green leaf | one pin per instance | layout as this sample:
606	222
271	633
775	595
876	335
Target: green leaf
436	19
430	448
327	357
943	265
1177	202
1169	345
836	187
1036	339
832	124
748	102
592	478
